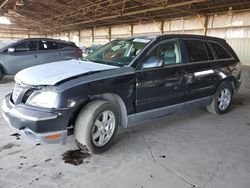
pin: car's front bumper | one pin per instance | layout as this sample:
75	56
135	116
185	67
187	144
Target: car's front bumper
43	126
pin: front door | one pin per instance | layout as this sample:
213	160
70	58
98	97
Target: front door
160	77
23	56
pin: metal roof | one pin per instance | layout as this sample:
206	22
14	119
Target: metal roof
53	16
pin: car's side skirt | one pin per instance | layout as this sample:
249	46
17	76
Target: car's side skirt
141	117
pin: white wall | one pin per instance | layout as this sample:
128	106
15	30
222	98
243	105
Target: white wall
234	27
242	48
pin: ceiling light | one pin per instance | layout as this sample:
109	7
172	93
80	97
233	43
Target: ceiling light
4	20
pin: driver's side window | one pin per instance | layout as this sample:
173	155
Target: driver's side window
25	46
165	53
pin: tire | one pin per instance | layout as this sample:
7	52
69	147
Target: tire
222	99
97	118
1	74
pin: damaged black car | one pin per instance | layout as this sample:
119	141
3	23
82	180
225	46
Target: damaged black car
123	83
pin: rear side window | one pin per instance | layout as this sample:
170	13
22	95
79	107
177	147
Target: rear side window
209	52
26	46
71	44
64	45
61	45
220	51
47	45
196	50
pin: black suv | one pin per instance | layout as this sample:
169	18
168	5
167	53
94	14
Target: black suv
123	83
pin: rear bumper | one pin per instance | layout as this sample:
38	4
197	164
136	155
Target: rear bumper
42	126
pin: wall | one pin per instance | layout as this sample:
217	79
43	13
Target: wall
234	27
9	34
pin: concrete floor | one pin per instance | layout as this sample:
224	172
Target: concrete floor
190	149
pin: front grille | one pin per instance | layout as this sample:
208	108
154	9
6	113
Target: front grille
21	92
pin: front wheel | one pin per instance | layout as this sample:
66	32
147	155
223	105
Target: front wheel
1	74
96	126
222	99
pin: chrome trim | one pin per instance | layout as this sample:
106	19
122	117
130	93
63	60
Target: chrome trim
222	75
206	72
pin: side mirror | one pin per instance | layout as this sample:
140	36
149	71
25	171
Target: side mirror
152	62
11	50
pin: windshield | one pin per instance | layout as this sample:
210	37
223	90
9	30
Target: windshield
118	52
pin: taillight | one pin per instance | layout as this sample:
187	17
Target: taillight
79	52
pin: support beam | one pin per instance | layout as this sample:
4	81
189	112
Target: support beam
79	34
138	12
109	34
131	30
4	3
203	23
92	35
162	27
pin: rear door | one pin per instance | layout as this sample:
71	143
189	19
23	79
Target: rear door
201	79
224	57
163	86
69	51
48	51
24	56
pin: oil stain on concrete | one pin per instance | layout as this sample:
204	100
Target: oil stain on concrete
75	157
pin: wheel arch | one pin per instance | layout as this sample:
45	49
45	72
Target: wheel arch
230	80
3	69
119	104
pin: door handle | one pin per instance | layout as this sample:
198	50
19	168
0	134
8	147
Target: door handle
180	73
189	77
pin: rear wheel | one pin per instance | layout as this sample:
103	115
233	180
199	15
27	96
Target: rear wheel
96	126
222	99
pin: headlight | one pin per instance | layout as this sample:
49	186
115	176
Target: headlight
44	99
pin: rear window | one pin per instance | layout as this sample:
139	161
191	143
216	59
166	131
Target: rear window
220	51
47	45
196	50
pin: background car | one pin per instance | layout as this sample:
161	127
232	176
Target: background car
16	55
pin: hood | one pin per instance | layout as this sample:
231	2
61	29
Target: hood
52	73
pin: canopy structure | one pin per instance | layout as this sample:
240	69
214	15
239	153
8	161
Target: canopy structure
50	16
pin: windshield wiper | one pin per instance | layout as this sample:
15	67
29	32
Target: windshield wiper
104	61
